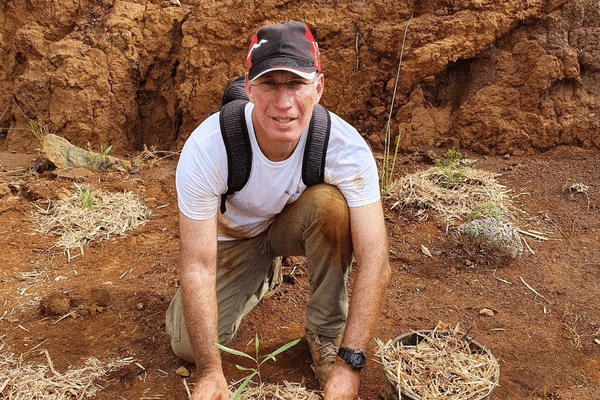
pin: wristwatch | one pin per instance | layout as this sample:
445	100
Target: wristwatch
354	358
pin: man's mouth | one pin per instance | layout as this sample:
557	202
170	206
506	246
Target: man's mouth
283	120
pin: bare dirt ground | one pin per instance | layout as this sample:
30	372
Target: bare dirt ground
118	290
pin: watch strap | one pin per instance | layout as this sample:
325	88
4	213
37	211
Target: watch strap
356	359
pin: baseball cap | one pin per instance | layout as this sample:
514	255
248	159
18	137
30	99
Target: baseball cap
288	46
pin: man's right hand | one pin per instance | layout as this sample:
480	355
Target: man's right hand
211	386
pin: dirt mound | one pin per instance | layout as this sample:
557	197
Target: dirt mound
508	77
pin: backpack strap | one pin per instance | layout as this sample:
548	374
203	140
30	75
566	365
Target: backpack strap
313	163
234	131
236	90
237	144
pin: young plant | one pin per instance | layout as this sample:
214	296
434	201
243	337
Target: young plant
452	171
389	160
87	198
38	127
253	371
485	211
103	152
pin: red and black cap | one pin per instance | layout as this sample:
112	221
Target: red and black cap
288	46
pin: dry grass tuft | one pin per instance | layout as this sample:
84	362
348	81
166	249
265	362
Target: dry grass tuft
429	190
443	364
287	391
151	157
30	381
88	215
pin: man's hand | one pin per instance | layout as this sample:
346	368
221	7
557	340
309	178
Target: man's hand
211	386
343	382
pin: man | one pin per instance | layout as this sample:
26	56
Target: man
226	257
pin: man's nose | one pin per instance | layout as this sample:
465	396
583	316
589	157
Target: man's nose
283	96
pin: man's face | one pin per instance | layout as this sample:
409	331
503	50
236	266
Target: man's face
282	112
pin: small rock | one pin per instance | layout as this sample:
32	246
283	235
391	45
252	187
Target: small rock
486	312
428	157
55	303
140	306
101	295
468	263
183	372
63	193
507	156
4	189
597	341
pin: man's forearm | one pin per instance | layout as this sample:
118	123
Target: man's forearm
200	310
365	304
369	238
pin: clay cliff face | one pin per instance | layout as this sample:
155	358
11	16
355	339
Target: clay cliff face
491	76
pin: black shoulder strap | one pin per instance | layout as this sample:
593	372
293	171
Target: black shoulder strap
236	90
237	143
313	163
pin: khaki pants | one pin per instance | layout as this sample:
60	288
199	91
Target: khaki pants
317	225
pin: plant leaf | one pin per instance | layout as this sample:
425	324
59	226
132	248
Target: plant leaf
256	345
233	351
245	368
241	388
280	350
426	251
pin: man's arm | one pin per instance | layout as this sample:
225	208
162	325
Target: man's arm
369	239
198	292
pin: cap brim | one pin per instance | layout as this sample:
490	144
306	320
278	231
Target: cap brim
301	68
302	74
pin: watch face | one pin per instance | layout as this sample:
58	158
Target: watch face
359	359
355	358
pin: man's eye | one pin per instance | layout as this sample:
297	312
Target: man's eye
294	85
269	84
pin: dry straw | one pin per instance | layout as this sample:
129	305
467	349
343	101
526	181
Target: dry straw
287	391
30	381
78	221
443	365
425	190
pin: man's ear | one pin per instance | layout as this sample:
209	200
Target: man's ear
320	87
249	88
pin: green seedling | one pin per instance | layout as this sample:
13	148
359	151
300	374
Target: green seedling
103	152
485	211
87	198
257	360
451	169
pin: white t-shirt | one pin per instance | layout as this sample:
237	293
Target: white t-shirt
201	177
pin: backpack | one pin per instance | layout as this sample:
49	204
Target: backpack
235	135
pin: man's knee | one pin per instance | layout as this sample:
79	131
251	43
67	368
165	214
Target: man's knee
325	208
326	200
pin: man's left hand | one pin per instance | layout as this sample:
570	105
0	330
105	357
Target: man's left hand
343	382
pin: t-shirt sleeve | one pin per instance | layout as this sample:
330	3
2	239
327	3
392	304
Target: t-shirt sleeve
350	165
201	174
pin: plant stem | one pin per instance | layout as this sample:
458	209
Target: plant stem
387	174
